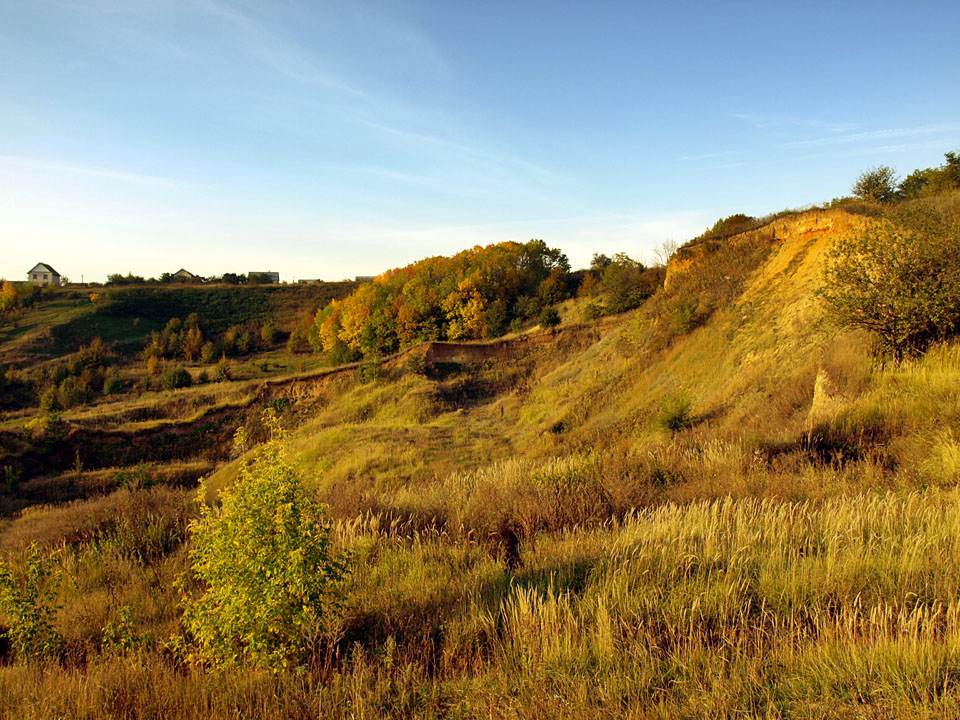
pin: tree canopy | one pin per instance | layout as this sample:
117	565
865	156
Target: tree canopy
900	280
472	295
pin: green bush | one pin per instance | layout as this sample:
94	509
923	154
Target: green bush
899	280
175	377
208	352
269	575
298	342
732	225
593	310
50	400
549	318
73	391
675	413
341	354
369	371
416	364
628	283
876	184
27	600
122	637
223	369
270	334
112	382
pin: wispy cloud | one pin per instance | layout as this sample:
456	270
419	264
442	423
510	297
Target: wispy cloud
29	163
710	155
278	52
779	122
876	135
474	153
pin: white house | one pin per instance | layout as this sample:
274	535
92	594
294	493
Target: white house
42	274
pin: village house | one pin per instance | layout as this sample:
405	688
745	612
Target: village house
43	275
182	275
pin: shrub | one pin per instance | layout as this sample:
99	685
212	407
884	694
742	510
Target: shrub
899	280
223	369
50	400
675	413
60	373
270	334
416	364
876	184
298	342
112	382
121	636
73	391
593	310
733	225
270	577
208	352
628	283
340	354
27	599
369	371
549	318
175	377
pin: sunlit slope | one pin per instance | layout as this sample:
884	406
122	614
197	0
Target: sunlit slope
731	380
752	361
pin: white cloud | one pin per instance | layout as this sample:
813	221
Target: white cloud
14	162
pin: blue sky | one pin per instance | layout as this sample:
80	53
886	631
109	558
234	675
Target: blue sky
330	139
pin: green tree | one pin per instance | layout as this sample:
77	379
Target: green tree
900	280
876	184
269	574
625	283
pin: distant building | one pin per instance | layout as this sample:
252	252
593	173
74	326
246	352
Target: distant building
42	274
305	281
365	278
267	277
185	276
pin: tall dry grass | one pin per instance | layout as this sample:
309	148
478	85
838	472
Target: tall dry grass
750	608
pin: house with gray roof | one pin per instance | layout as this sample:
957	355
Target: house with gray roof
43	275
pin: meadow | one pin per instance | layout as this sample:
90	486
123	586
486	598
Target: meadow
721	503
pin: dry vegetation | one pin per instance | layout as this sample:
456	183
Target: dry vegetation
719	504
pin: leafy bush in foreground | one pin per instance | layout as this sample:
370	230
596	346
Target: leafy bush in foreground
270	576
27	602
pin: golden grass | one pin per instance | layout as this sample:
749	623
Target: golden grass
842	608
784	556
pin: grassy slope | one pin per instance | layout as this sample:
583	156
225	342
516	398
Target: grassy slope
125	316
798	558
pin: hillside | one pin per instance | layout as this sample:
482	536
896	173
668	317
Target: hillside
720	503
125	316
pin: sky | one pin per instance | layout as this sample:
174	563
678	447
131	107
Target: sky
333	139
